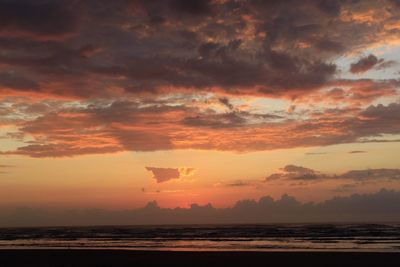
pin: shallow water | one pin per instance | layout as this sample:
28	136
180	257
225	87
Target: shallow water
271	237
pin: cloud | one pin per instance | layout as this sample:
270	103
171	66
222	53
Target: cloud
315	153
293	172
364	64
386	64
99	64
299	173
357	152
79	48
346	187
242	183
110	126
225	101
184	171
382	206
372	175
5	166
17	82
238	184
354	93
192	7
224	120
42	20
166	174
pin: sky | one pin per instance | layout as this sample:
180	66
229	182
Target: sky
112	105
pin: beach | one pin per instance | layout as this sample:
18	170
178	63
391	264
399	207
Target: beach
125	258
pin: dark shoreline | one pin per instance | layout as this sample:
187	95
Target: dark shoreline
125	258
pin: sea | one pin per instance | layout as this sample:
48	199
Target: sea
267	237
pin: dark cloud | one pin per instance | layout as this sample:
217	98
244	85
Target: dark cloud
372	174
364	64
382	206
242	183
17	82
386	64
225	101
359	92
137	140
315	153
346	187
379	118
298	173
165	174
330	46
357	152
375	140
330	7
225	120
231	119
293	172
389	112
297	169
238	47
396	2
193	7
237	184
61	150
37	19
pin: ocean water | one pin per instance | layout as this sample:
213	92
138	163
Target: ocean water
270	237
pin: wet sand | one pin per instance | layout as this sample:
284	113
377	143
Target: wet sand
125	258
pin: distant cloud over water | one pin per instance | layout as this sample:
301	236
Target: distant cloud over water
299	173
381	206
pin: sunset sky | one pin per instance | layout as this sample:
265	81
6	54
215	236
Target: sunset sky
112	104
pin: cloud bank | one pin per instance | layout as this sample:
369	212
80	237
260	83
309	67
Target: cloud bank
382	206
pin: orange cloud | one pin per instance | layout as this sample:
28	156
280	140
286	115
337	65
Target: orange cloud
131	126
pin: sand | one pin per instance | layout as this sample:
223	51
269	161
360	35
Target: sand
114	258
